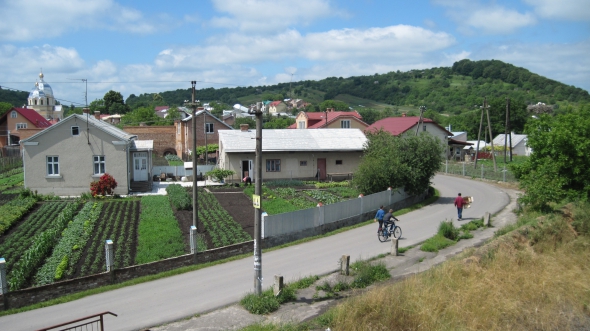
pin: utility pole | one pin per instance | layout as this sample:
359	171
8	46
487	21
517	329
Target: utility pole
205	132
506	129
258	211
420	121
194	104
478	136
486	107
508	126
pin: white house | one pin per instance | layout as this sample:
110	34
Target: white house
519	143
292	154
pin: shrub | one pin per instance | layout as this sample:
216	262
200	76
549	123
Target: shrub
448	230
366	274
220	174
105	185
178	197
172	157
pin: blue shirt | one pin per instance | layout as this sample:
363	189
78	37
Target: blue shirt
380	214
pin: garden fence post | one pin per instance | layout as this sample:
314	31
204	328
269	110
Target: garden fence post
482	171
278	286
390	195
3	282
193	240
486	219
446	166
344	265
504	174
394	246
110	257
463	168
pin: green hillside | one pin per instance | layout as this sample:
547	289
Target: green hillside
15	98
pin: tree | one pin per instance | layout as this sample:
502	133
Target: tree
5	107
244	120
105	185
114	104
335	104
278	123
556	170
97	105
140	115
406	161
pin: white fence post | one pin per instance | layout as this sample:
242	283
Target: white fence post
3	282
193	239
110	257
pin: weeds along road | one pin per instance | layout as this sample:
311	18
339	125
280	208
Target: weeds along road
166	300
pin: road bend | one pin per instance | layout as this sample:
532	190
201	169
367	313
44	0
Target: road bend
169	299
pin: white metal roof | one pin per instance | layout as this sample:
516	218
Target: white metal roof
289	140
516	139
142	144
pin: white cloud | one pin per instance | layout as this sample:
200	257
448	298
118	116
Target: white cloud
498	20
47	19
577	10
270	15
472	16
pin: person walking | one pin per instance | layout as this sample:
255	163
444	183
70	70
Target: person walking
459	204
379	217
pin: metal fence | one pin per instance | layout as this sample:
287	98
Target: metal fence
482	171
286	223
180	171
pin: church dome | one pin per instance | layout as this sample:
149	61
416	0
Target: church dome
41	90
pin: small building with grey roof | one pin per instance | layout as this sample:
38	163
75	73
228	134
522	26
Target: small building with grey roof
292	154
67	156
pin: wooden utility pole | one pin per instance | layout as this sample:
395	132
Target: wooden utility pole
420	121
478	136
507	130
486	107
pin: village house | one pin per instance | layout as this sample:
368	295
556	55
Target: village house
66	157
329	119
17	124
292	154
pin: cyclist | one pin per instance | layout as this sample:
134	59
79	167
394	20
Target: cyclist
379	217
388	220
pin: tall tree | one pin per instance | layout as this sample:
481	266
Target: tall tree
114	104
5	107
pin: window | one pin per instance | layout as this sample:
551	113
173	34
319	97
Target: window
21	126
53	165
302	163
301	125
338	162
424	127
75	130
209	127
99	164
345	124
273	165
13	114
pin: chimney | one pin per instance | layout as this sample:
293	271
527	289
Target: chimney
97	115
403	114
244	127
85	110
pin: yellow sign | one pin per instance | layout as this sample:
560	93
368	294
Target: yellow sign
256	200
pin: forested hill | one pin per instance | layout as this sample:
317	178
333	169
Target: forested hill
15	98
446	90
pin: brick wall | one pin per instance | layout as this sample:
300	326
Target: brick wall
164	137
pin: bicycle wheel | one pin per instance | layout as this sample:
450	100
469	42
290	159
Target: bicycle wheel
397	232
383	235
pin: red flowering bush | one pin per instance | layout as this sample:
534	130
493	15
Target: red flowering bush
106	184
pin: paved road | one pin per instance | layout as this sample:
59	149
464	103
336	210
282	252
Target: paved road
173	298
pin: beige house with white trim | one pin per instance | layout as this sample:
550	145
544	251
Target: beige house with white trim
292	154
66	157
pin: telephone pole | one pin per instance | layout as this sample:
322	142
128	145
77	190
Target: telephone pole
422	109
478	137
486	107
257	210
194	104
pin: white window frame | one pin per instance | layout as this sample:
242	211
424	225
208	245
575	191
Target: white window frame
209	128
273	165
52	162
98	164
77	129
345	124
301	125
21	126
13	114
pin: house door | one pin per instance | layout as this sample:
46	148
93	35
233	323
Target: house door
140	171
247	169
321	169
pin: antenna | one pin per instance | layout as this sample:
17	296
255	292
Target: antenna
85	93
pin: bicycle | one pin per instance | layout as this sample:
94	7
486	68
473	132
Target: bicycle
393	231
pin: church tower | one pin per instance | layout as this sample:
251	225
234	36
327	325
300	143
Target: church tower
41	99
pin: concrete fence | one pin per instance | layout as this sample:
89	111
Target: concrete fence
287	227
180	171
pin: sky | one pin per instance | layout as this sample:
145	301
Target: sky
148	46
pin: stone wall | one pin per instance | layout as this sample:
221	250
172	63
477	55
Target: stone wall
34	295
164	137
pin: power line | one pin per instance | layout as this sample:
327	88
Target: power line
130	82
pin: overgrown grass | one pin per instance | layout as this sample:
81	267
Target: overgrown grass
447	235
535	278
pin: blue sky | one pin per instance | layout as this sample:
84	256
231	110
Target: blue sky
153	46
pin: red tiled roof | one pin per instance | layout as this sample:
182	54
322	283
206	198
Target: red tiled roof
33	116
399	125
316	120
274	103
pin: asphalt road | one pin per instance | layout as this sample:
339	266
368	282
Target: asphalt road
165	300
